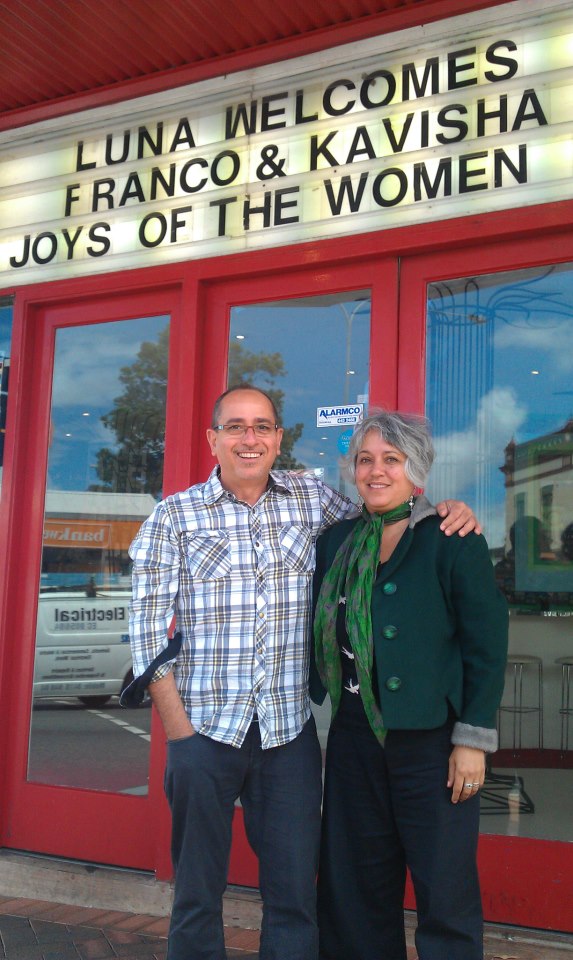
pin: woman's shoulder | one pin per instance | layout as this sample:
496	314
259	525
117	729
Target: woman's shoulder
453	546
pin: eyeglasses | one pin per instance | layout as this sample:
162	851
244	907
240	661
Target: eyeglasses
240	429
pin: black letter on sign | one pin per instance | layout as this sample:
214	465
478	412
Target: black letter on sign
80	165
71	197
162	230
71	241
53	247
346	189
25	254
281	204
94	235
222	204
492	57
402	187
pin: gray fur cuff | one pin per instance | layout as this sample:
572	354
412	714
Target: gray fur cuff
482	738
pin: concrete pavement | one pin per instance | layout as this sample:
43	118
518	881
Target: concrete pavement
52	910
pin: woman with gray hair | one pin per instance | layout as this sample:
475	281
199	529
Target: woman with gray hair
410	644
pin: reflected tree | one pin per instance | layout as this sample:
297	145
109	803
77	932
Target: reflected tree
261	369
137	419
134	464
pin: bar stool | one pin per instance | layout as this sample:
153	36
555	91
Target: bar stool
518	662
566	711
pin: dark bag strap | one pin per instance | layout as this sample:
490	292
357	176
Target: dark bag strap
133	694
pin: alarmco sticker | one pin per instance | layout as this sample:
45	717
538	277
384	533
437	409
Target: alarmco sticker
343	415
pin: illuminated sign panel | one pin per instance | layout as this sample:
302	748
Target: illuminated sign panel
464	116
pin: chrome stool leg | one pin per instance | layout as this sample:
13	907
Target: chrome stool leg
566	710
517	708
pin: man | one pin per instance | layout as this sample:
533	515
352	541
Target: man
233	558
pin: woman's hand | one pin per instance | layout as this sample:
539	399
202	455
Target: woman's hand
458	518
466	772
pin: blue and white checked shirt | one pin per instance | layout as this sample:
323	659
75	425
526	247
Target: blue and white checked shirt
238	579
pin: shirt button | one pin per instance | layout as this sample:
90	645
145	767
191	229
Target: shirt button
389	588
393	684
390	632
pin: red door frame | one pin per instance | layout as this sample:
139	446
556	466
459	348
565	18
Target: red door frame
512	891
194	292
72	822
200	310
376	274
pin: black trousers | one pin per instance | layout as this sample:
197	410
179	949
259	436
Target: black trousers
385	809
280	790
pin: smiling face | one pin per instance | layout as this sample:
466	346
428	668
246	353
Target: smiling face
380	477
245	461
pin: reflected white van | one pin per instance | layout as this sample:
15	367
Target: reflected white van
82	646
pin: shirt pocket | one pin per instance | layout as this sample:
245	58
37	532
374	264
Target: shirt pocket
297	547
206	554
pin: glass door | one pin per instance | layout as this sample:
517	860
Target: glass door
97	409
312	351
498	378
104	477
504	436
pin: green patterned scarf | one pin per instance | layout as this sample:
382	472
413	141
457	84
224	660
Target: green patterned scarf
352	575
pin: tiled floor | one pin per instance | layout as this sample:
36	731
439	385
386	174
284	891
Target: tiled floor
38	930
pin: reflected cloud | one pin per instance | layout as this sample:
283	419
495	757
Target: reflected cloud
555	342
460	454
89	359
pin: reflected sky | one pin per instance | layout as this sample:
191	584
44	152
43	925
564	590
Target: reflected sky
5	330
499	368
324	343
87	366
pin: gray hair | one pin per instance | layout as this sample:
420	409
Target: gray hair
407	432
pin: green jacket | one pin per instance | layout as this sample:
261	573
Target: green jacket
440	628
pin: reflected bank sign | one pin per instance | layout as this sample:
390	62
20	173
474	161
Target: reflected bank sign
464	116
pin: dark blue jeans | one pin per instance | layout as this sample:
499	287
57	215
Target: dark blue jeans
280	791
385	809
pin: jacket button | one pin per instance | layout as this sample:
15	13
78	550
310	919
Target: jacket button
393	684
389	588
389	632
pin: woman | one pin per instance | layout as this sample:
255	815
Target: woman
411	643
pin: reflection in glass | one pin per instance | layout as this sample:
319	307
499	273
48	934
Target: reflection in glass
105	469
6	312
500	398
310	354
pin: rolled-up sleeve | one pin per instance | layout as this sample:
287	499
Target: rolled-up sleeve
334	506
155	584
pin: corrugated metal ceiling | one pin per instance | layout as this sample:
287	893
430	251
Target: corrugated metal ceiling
53	49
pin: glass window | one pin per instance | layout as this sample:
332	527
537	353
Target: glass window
6	312
280	346
105	474
312	355
500	398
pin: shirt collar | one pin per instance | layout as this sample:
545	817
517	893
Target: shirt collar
213	490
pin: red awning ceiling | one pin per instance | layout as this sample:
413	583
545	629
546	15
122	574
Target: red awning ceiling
55	49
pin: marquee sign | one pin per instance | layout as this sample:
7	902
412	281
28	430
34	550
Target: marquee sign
468	115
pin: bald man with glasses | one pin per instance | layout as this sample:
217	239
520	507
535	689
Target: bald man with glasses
233	559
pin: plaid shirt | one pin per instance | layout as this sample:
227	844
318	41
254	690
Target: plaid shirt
238	579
